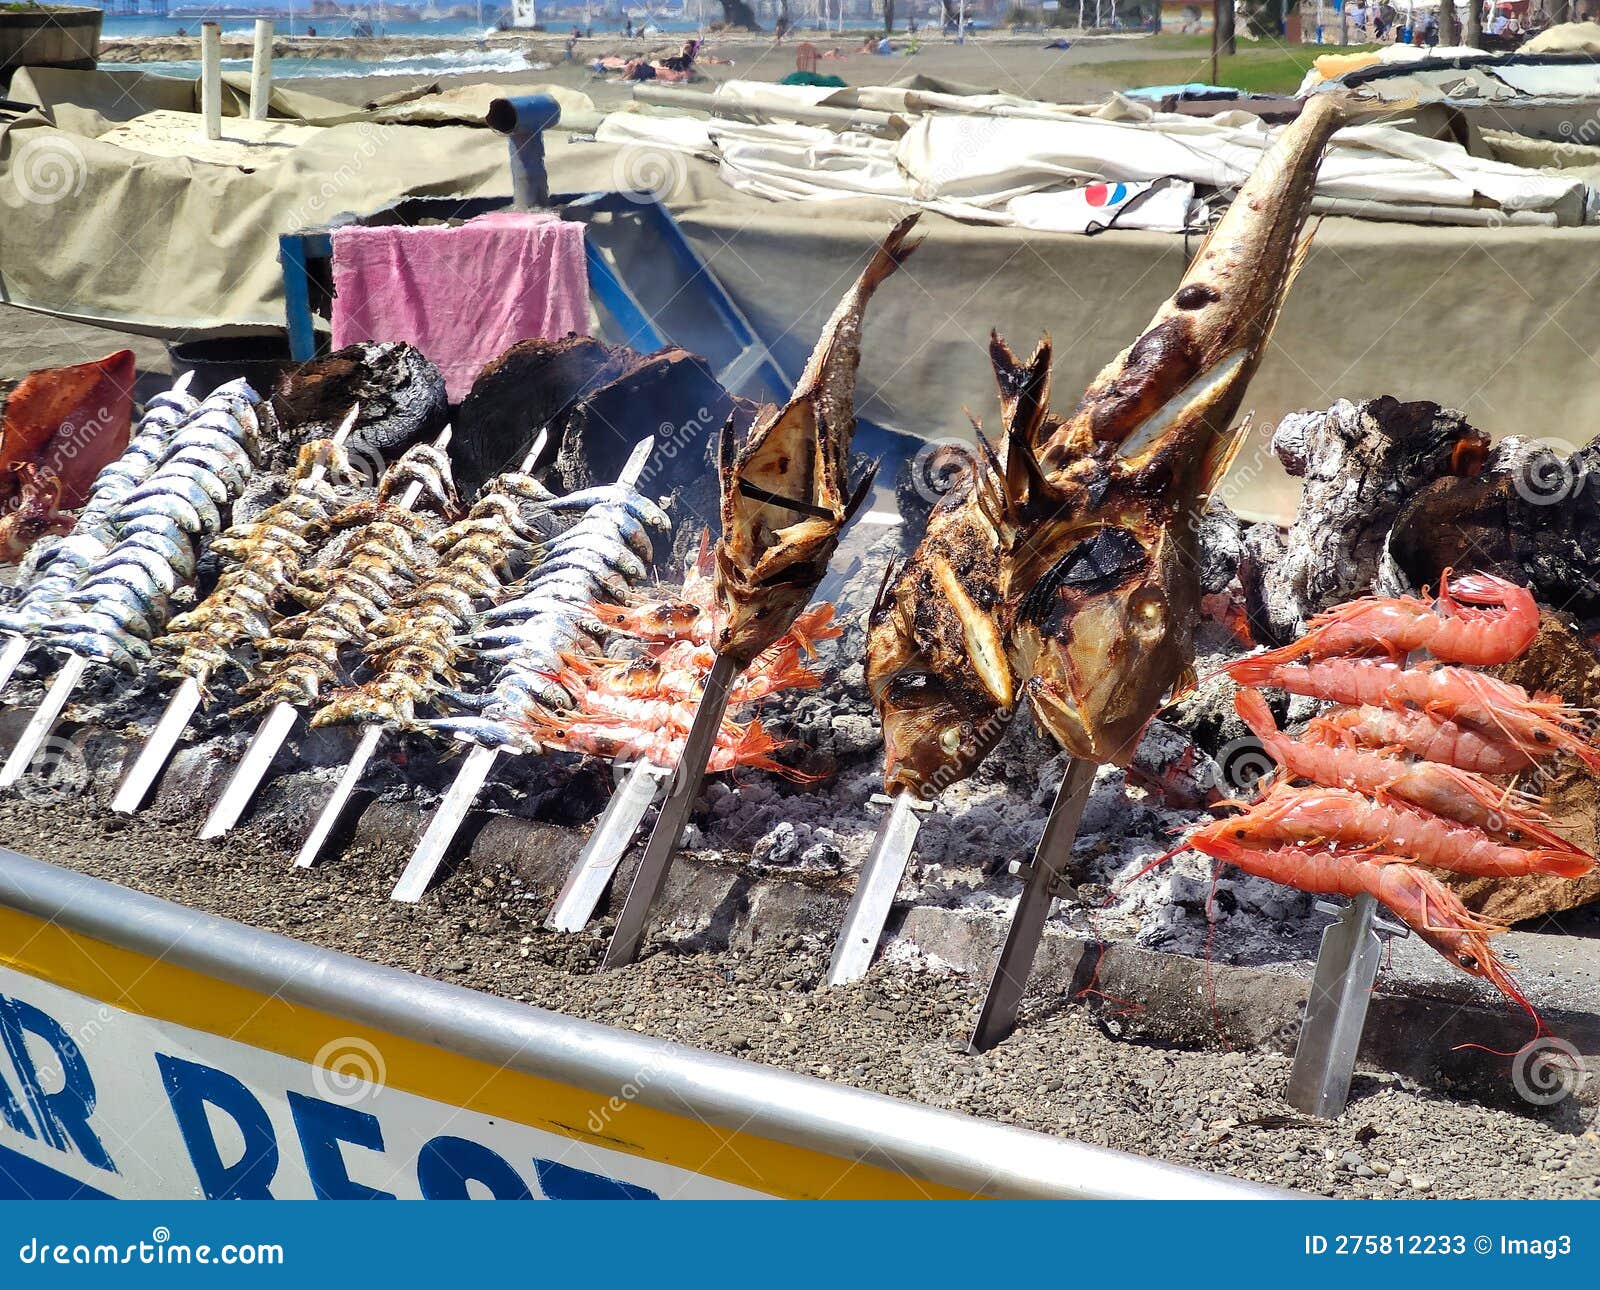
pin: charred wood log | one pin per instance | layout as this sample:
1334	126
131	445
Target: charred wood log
1532	515
401	393
1361	465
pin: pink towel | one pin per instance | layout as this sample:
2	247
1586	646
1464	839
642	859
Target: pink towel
461	295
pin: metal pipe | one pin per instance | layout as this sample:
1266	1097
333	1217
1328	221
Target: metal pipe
677	96
211	78
261	70
941	1147
523	120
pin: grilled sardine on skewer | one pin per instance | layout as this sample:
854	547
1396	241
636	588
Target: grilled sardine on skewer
785	497
1099	587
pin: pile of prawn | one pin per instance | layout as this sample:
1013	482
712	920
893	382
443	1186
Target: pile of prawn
264	559
385	553
1395	784
640	708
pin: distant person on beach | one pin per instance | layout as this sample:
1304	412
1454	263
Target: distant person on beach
311	31
628	30
780	29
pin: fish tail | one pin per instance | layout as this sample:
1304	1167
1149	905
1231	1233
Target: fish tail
892	254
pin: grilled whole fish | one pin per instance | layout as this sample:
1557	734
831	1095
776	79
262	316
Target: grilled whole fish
784	499
1098	580
936	666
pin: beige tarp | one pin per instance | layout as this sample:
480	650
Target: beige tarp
103	234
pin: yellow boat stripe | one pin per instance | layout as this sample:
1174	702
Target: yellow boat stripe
165	991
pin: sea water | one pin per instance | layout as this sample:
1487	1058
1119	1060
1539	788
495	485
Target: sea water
443	63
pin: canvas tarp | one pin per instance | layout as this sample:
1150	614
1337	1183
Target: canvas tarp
973	162
99	233
1498	322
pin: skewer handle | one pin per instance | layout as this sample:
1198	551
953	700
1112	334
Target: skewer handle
998	1017
1336	1012
442	828
875	888
274	729
354	768
142	776
44	719
613	835
681	797
16	648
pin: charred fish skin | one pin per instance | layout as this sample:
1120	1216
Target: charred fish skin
785	499
1099	582
937	668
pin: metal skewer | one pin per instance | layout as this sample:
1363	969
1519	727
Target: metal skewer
1336	1009
372	735
353	770
273	730
185	702
681	797
44	719
612	836
875	887
425	860
1045	875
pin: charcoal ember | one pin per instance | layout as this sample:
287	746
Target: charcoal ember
1361	464
669	395
1532	516
1219	548
401	393
1170	764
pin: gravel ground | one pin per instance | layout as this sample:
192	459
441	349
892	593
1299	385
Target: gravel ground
901	1031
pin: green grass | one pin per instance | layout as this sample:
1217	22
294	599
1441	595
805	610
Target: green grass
1276	69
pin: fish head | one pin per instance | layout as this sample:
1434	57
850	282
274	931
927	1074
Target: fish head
1100	622
935	731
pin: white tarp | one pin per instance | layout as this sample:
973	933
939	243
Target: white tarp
975	164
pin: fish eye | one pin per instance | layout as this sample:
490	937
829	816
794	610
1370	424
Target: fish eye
950	739
1468	962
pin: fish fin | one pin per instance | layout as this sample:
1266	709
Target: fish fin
1220	455
861	491
1027	493
892	568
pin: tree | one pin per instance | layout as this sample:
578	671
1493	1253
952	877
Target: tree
888	17
1449	28
952	12
1475	23
737	13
